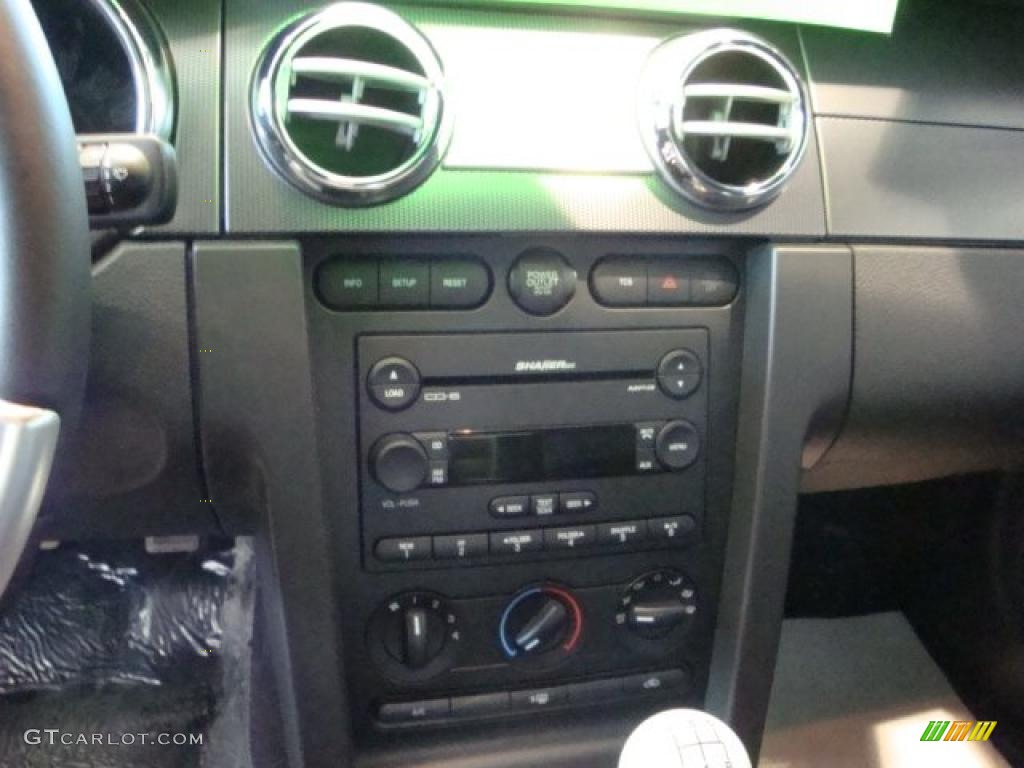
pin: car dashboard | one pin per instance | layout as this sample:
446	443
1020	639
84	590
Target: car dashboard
513	334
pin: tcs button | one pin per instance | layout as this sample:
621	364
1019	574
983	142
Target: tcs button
541	281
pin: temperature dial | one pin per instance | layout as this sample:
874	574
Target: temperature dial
540	621
658	603
413	636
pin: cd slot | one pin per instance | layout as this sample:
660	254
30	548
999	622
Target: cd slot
540	377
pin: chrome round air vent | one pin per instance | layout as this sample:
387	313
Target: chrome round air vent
348	105
724	118
114	65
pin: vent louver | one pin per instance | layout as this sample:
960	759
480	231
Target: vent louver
348	105
724	118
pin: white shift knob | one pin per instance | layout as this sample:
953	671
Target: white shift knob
683	738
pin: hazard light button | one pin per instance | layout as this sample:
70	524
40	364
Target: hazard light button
668	285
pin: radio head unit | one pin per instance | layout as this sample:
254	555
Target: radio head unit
523	446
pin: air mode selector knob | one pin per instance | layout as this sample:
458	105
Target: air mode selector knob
399	463
657	604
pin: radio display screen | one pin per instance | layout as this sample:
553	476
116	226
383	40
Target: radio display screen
548	454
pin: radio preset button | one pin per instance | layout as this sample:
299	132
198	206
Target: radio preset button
403	550
676	528
544	504
541	281
576	537
577	501
393	383
460	547
510	506
621	534
678	445
679	374
516	542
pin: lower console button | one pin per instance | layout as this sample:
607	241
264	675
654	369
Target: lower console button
595	691
403	550
516	542
677	528
576	537
539	698
480	705
652	682
412	711
622	534
460	547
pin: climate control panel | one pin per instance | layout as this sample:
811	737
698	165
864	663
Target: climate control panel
570	642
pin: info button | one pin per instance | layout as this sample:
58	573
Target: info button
345	284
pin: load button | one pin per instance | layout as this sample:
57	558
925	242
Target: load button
393	383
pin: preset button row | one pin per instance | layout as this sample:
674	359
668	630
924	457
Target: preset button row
469	546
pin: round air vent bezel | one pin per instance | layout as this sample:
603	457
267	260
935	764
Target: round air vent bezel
269	102
150	60
661	102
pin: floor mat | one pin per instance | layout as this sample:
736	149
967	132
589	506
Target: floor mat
114	658
861	692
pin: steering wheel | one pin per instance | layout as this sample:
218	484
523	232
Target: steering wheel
44	275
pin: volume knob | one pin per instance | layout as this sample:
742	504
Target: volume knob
399	463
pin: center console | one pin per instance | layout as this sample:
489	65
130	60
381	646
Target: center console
533	522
